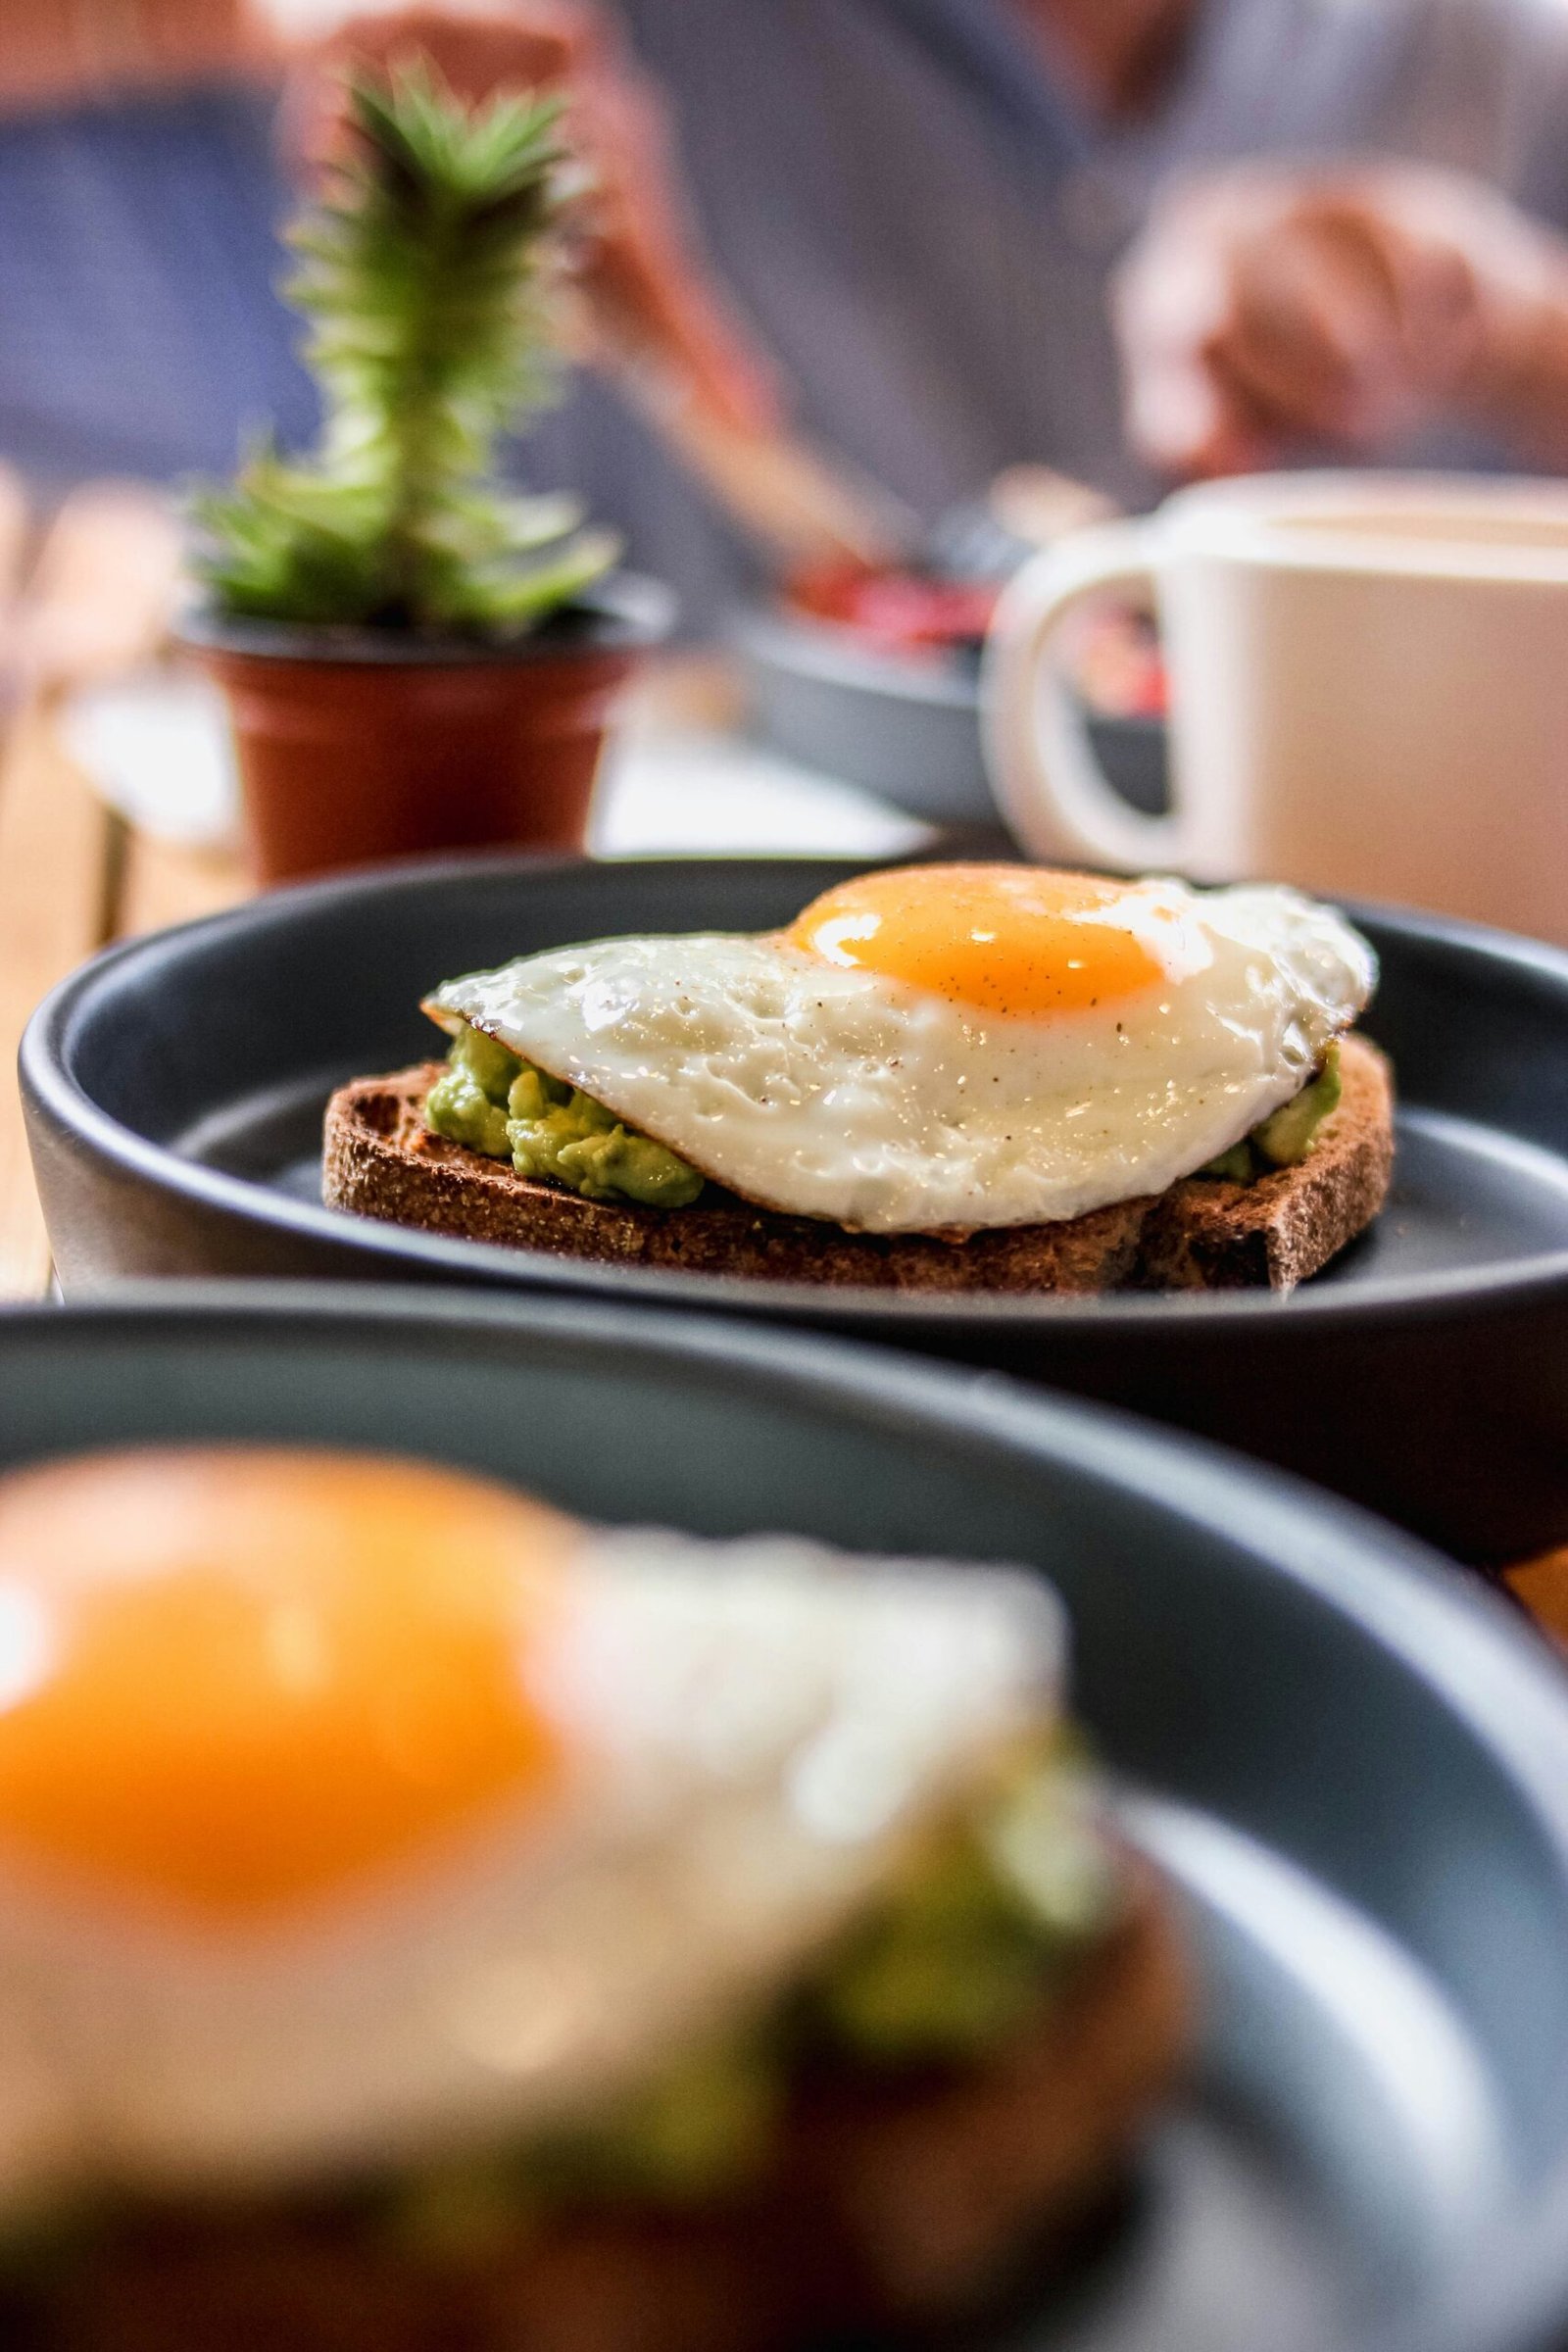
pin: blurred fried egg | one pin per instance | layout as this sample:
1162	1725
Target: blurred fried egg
943	1048
350	1809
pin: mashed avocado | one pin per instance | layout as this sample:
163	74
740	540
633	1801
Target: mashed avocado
977	1931
496	1103
972	1935
1287	1135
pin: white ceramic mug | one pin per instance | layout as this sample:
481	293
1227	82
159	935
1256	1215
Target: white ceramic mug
1369	691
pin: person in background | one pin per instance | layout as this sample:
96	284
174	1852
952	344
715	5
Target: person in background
1138	239
1130	238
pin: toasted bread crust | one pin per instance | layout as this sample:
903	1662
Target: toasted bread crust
894	2207
381	1161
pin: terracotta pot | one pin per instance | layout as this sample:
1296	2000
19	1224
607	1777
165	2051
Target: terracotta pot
360	745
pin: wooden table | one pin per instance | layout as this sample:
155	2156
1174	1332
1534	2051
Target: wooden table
73	877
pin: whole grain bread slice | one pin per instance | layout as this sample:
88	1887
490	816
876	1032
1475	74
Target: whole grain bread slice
1204	1234
895	2207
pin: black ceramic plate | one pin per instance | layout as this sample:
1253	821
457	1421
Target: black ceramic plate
174	1091
1354	1766
907	729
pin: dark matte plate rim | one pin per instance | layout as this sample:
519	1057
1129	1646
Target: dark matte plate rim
1388	1301
1456	1638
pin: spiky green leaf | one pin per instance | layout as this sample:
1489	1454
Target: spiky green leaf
427	279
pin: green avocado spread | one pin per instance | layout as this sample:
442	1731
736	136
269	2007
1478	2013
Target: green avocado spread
978	1931
1287	1135
506	1108
492	1101
495	1102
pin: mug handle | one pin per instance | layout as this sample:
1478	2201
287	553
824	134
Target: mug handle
1049	785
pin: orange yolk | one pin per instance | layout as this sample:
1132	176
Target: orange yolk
1005	939
237	1678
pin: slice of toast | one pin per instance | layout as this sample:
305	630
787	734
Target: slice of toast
1203	1234
894	2208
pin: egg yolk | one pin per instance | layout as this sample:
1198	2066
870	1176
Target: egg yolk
233	1678
1005	939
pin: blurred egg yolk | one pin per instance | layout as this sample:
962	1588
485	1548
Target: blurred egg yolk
237	1678
1005	938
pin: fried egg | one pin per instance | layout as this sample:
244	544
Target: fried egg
943	1047
351	1810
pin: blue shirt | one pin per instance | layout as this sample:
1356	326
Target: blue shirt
140	331
920	224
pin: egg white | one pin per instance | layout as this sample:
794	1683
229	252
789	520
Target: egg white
757	1732
834	1093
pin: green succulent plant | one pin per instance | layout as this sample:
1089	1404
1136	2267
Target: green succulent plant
428	275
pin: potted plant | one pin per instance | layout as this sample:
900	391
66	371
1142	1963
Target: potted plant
415	657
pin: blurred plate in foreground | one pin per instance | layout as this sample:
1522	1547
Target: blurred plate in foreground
1354	1765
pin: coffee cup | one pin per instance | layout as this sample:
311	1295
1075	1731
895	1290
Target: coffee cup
1369	691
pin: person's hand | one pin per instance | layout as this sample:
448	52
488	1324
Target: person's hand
648	289
1264	309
